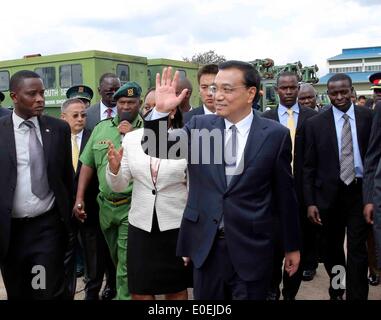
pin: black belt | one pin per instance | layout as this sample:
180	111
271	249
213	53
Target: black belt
221	233
35	218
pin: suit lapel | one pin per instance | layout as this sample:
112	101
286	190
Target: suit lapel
361	129
9	137
331	130
219	124
253	145
46	134
301	118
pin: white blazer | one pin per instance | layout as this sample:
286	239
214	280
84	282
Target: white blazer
169	196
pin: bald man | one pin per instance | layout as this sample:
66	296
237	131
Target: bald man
307	96
184	83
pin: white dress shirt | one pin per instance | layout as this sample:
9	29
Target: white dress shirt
339	122
243	129
206	110
25	203
103	111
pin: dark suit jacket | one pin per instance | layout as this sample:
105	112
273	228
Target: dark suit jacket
304	114
188	115
91	205
373	156
57	148
4	112
321	171
245	204
93	116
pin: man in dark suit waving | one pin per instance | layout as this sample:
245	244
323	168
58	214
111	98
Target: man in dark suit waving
336	143
35	193
228	224
293	116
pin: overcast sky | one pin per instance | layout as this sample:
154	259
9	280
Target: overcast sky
286	31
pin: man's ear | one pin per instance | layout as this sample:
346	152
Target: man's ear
252	93
13	96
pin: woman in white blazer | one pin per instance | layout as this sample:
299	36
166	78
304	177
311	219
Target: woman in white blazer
158	200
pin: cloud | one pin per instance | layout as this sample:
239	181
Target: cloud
286	31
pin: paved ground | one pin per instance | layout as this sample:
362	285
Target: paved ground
313	290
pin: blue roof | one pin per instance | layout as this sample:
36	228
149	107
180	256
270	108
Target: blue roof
358	53
357	77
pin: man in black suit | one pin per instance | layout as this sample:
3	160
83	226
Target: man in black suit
36	191
228	224
292	116
205	77
73	111
336	143
109	83
3	112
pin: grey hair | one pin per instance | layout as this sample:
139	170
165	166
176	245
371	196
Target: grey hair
69	102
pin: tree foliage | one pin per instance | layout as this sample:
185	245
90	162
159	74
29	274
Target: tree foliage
206	58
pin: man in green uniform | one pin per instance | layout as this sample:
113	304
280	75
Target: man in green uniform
114	206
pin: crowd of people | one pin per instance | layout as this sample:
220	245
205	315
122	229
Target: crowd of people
157	196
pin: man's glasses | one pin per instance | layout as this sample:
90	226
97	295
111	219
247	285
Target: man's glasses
213	89
76	115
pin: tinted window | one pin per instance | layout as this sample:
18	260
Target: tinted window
123	72
4	80
48	76
70	75
182	74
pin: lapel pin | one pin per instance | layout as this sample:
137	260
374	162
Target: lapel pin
47	130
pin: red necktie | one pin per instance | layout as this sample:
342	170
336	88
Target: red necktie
109	113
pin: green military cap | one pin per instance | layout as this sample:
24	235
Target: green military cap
80	92
2	96
130	90
375	79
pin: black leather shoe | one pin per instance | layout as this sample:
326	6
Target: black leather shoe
374	280
308	275
337	298
108	293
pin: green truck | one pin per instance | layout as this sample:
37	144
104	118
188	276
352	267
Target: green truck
61	71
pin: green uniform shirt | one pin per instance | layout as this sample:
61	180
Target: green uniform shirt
95	153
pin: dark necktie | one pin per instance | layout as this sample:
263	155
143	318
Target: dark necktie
231	154
347	168
38	175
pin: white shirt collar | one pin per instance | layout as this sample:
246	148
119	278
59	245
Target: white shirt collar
243	126
104	108
17	120
79	135
206	110
338	114
283	109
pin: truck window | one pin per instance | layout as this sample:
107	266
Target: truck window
70	75
48	76
182	74
4	80
123	72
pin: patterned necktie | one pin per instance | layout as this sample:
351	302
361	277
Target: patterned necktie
74	151
38	174
291	127
347	168
109	113
231	154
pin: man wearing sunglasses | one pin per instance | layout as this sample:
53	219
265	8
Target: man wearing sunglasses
94	247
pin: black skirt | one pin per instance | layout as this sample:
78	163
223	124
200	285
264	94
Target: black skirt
152	265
